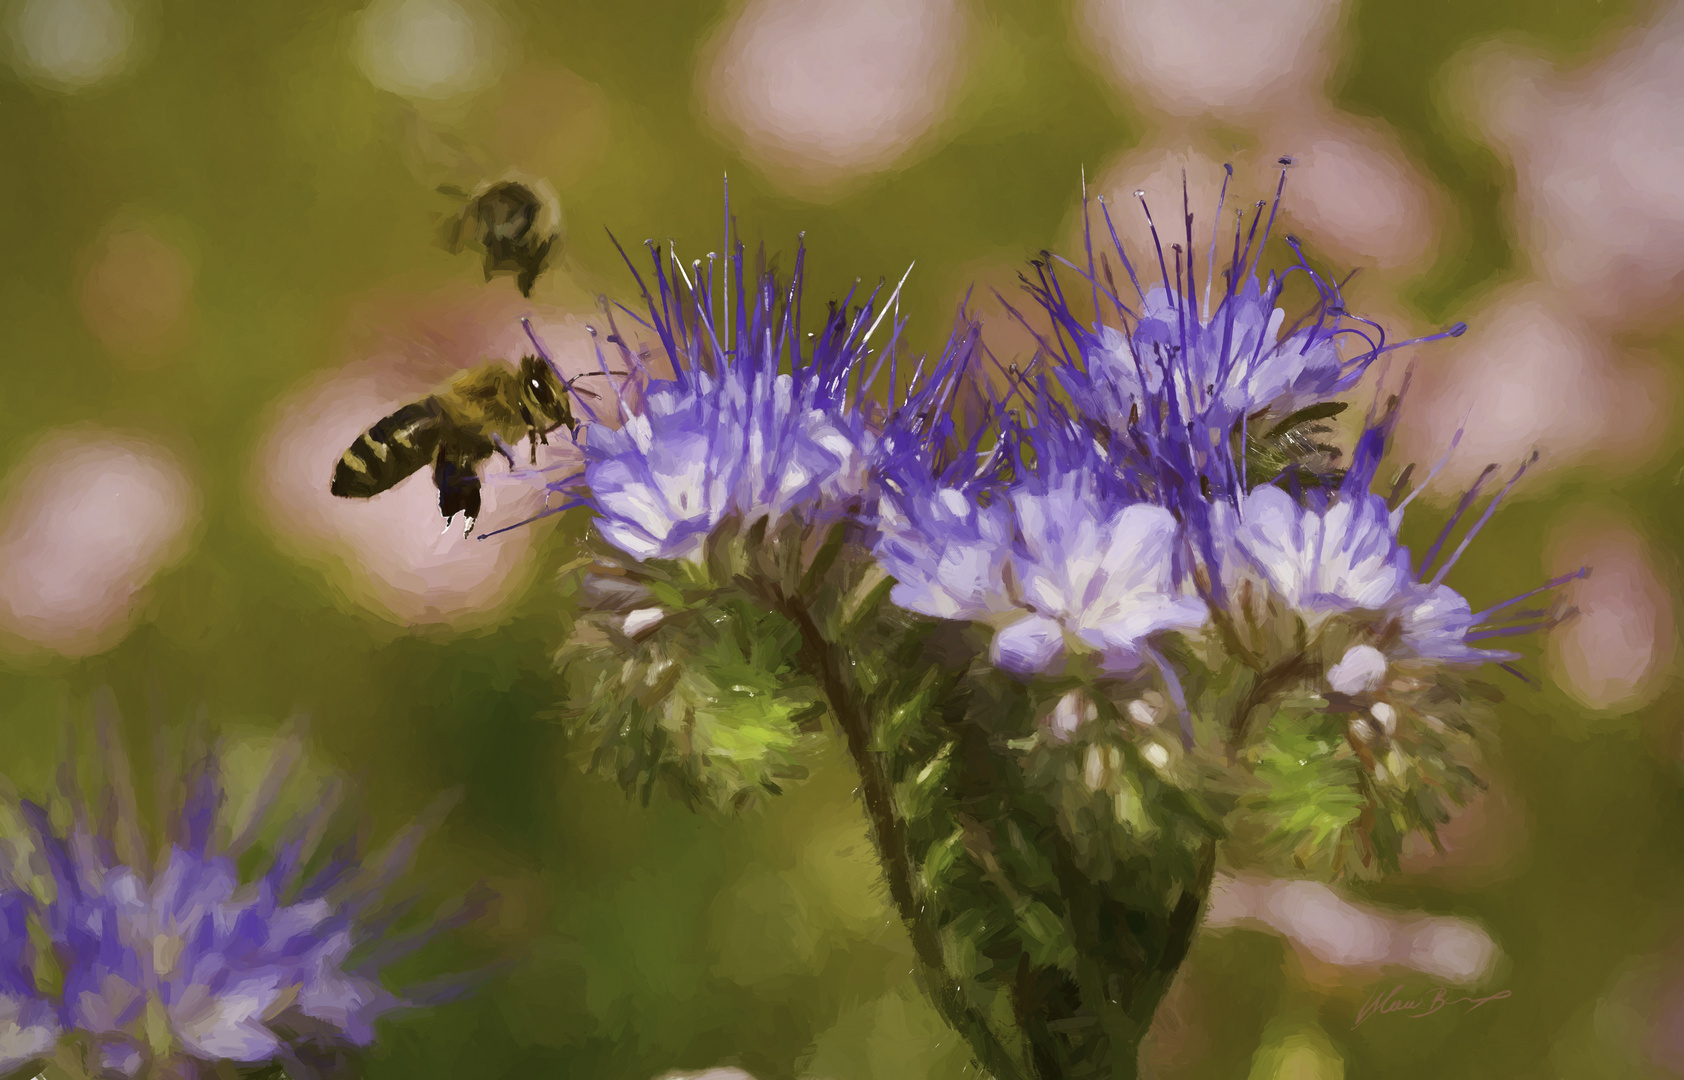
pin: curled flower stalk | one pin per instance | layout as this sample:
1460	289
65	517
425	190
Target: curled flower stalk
731	508
234	948
1083	638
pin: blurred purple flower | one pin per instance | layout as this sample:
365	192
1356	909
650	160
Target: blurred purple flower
167	971
29	1026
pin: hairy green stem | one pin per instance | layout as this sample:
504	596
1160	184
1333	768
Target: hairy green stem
1183	924
889	835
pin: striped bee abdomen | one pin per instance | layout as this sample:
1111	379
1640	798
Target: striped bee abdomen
389	451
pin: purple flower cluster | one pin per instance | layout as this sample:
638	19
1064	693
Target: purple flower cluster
166	968
1120	514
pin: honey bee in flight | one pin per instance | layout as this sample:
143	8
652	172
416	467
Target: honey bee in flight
481	411
516	224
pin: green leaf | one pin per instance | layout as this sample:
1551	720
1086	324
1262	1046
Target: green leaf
865	598
941	859
713	705
917	795
1045	937
823	559
667	595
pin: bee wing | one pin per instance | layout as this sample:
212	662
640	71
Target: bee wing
389	451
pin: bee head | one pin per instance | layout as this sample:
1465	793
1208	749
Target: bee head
541	392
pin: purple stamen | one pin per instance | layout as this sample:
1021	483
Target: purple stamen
1490	509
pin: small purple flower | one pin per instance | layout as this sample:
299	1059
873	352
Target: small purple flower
947	552
1343	558
167	968
1435	622
1100	574
1328	556
1060	556
740	444
1230	365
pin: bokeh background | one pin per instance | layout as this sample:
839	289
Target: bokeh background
220	262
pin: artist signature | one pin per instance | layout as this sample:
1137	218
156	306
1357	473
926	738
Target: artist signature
1389	1001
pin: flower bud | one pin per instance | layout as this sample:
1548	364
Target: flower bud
1360	671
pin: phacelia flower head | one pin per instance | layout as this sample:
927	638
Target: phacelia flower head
1342	557
175	962
757	422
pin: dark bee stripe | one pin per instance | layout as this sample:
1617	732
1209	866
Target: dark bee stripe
389	451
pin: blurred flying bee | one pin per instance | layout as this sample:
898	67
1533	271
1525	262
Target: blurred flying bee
516	224
480	412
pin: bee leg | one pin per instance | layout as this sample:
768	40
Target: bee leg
458	486
532	440
506	450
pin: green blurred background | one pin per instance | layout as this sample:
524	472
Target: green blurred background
248	139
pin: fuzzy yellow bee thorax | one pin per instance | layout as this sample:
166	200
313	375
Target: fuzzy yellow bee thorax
484	400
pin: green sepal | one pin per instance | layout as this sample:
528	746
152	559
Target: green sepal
1047	940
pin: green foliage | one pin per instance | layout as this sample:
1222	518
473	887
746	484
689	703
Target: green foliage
1310	792
708	700
709	691
1329	789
